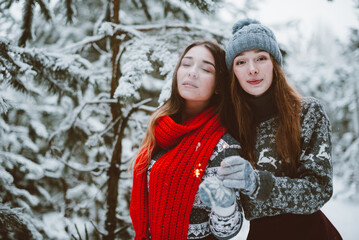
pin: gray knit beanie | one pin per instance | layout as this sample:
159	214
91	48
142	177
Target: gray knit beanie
251	34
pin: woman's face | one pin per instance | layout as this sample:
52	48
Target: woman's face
254	71
196	76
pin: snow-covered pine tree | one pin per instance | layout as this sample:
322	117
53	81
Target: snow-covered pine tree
89	80
349	141
331	77
26	74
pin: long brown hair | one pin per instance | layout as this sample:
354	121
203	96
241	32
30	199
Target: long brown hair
287	101
175	104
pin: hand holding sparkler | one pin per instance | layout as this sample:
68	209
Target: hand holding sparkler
220	198
236	172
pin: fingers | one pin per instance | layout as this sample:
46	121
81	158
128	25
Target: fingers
232	161
230	170
238	176
230	183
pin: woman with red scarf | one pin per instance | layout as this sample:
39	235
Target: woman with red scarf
183	146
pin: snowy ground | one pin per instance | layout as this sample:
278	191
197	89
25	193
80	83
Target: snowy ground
342	213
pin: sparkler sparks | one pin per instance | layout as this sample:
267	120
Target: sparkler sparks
198	171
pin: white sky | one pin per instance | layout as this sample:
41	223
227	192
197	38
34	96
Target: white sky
338	15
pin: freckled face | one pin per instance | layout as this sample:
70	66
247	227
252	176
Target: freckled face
254	71
196	76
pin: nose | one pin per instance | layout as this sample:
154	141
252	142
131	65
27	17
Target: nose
193	72
253	68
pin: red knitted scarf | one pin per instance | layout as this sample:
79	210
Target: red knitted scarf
165	209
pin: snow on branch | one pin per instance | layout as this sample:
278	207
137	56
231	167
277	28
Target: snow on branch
141	58
72	117
108	29
204	5
34	171
95	167
5	105
168	26
81	45
60	73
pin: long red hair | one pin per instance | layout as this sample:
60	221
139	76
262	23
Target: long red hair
287	101
175	104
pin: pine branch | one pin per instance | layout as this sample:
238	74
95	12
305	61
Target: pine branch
44	9
108	12
54	70
13	225
59	73
69	11
134	2
7	3
145	9
79	46
8	68
27	22
28	14
138	30
5	105
11	72
204	5
175	7
70	120
96	167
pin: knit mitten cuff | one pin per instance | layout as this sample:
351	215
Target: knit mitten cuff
265	185
224	211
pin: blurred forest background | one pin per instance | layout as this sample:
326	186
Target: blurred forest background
78	80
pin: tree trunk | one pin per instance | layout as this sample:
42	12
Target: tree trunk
114	169
112	192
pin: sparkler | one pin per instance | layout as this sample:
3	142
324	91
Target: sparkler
225	146
198	170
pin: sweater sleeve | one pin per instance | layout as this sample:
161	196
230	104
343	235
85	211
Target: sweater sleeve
226	227
312	187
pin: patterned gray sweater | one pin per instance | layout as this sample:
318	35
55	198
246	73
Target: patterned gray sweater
203	221
312	188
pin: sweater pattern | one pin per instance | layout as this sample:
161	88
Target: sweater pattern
312	187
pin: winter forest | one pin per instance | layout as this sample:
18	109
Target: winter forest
79	79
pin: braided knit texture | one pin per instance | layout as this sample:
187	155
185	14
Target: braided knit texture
164	208
251	34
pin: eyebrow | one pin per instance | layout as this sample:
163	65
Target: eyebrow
204	61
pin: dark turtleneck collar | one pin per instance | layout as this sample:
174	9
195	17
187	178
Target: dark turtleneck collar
264	106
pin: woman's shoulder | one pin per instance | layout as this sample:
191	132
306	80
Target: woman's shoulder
311	104
313	110
307	102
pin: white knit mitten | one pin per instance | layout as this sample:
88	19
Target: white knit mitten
236	172
215	195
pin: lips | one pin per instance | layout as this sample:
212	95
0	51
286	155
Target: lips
255	81
189	84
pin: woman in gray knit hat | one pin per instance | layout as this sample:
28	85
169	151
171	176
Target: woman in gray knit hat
285	170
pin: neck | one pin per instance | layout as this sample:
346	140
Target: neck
192	109
263	106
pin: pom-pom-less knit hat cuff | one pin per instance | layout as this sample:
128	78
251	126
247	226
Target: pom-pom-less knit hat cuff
251	34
